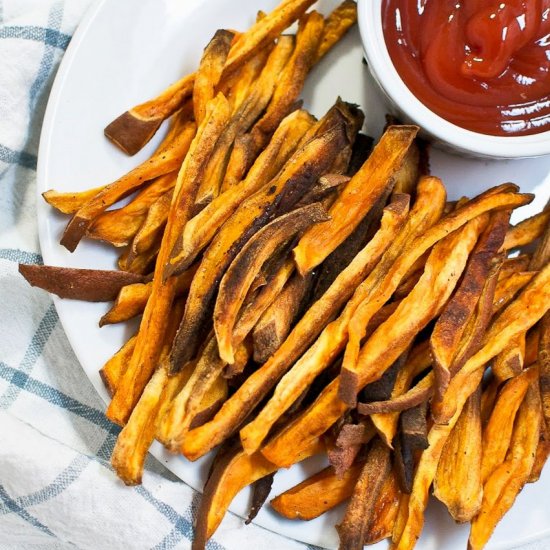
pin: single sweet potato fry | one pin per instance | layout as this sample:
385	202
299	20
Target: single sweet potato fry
209	72
337	24
526	231
69	203
449	330
359	513
354	202
507	288
385	511
240	274
112	370
91	285
317	494
458	483
509	362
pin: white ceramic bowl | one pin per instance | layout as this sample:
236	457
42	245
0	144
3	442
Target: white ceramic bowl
443	133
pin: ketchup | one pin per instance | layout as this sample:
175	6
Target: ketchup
482	65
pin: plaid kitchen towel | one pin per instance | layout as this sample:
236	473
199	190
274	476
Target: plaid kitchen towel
57	490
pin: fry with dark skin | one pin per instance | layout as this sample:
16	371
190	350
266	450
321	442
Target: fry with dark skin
360	509
163	162
90	285
458	482
347	211
305	166
237	408
240	274
153	323
275	324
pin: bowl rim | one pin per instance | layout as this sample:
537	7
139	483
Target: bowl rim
385	73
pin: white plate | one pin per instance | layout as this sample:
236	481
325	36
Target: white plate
126	52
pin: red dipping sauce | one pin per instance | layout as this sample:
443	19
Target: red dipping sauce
483	65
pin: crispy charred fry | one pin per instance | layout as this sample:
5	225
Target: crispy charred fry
275	323
351	438
132	299
507	288
119	226
133	129
248	112
509	362
526	231
325	349
304	167
112	370
153	324
231	473
505	483
360	510
209	72
259	383
336	26
354	202
458	482
450	329
291	79
317	494
166	160
240	274
91	285
200	230
385	511
260	491
69	203
497	433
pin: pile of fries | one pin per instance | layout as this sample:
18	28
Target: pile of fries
304	292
